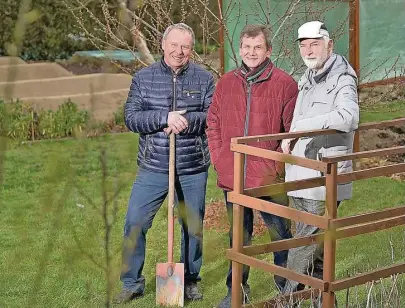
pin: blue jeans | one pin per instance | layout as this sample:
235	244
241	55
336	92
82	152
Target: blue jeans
148	193
279	229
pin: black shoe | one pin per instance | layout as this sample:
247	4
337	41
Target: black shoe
227	300
126	296
191	292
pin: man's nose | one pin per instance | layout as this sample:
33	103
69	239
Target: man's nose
308	51
179	49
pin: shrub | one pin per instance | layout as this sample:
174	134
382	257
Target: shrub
25	123
53	35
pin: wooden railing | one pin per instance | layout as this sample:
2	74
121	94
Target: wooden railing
334	228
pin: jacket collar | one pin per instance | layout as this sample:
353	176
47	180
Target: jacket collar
168	69
261	73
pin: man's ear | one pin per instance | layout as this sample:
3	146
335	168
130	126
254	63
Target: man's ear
330	45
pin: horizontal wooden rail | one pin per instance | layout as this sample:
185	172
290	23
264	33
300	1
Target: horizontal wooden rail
370	227
277	209
368	217
255	250
318	132
343	284
281	157
275	189
345	232
280	136
370	173
364	154
382	124
285	299
277	270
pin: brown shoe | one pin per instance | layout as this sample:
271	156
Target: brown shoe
126	296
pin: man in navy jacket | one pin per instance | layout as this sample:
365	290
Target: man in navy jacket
169	96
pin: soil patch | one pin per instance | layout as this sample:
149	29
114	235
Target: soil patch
216	219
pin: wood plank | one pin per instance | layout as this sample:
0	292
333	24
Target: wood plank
281	157
237	230
277	209
329	251
277	270
364	154
384	272
370	173
370	227
275	189
255	250
318	132
280	136
382	124
368	217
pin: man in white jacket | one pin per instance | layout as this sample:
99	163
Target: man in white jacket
327	99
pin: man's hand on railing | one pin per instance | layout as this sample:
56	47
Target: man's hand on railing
287	145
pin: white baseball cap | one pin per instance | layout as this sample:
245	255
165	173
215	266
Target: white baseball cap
312	29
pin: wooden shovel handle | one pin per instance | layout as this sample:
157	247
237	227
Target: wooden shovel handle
170	203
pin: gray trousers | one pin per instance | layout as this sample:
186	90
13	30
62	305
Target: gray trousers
306	259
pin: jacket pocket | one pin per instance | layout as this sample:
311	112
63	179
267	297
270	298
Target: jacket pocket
318	107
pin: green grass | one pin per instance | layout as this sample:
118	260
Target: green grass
383	111
52	237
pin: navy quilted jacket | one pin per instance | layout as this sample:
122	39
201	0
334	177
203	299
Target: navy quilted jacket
154	92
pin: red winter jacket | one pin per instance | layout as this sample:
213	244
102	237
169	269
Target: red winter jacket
241	108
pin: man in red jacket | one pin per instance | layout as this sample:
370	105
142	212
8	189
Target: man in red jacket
254	99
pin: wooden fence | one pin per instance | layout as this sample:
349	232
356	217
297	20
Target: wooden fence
334	228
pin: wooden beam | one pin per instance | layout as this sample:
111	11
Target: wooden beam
382	124
256	250
277	156
237	229
368	217
329	244
280	136
277	270
277	209
364	154
343	284
275	189
318	132
370	227
371	173
354	36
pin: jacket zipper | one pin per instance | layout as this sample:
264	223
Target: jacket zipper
174	93
248	101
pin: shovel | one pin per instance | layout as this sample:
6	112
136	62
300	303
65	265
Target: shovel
170	276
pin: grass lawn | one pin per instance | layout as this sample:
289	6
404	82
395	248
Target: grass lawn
382	112
52	231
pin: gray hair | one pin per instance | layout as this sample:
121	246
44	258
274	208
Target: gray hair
180	26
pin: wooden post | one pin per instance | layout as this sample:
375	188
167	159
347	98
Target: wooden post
328	298
237	240
356	148
354	36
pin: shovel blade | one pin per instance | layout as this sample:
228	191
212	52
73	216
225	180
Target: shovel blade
170	284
